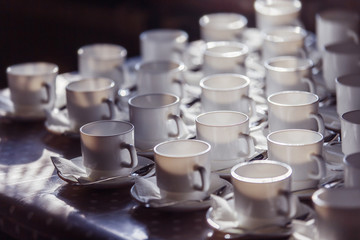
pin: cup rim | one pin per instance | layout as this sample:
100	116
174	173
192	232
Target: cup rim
184	155
203	80
104	121
324	15
293	29
279	178
184	36
122	51
287	92
344	80
206	19
345	116
268	62
212	44
294	130
84	80
54	69
222	126
180	65
130	101
351	156
316	199
259	7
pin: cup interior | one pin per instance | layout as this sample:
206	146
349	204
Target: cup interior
164	35
90	85
343	48
352	80
103	51
224	82
261	172
221	119
106	128
352	116
153	100
295	137
33	69
340	16
225	49
182	148
288	64
223	20
285	34
158	67
293	98
343	198
353	160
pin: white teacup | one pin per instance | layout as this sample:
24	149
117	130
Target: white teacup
224	57
108	148
102	60
165	76
302	150
226	92
347	93
90	100
156	119
334	26
294	110
338	60
288	73
32	87
284	41
222	26
228	134
271	14
163	44
262	193
183	169
338	213
350	132
352	170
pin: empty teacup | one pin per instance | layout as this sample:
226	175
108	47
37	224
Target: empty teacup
228	134
108	148
284	41
262	193
165	76
347	93
162	44
352	170
288	73
156	119
222	26
302	150
338	60
337	213
226	92
102	60
335	26
271	14
183	169
350	132
224	57
32	87
294	109
89	100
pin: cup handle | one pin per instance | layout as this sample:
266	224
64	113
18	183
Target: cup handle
320	122
310	83
353	35
250	141
48	93
204	182
303	52
179	125
321	166
250	103
133	156
110	104
180	83
289	198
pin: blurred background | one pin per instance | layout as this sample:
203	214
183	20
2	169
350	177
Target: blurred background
53	30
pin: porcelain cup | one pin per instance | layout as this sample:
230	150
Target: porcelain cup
352	170
89	100
183	169
228	134
302	150
32	87
294	110
350	132
262	193
347	93
107	148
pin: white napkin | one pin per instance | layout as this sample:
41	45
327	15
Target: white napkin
146	189
6	104
223	213
68	169
304	230
58	121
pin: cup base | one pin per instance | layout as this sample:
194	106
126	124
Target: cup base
99	174
195	195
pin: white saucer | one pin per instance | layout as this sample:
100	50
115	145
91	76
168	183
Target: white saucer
303	212
73	170
182	205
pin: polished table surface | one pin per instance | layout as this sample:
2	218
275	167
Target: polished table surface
36	204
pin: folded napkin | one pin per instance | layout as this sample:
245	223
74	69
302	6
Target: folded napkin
68	169
223	213
6	105
304	230
58	121
146	189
